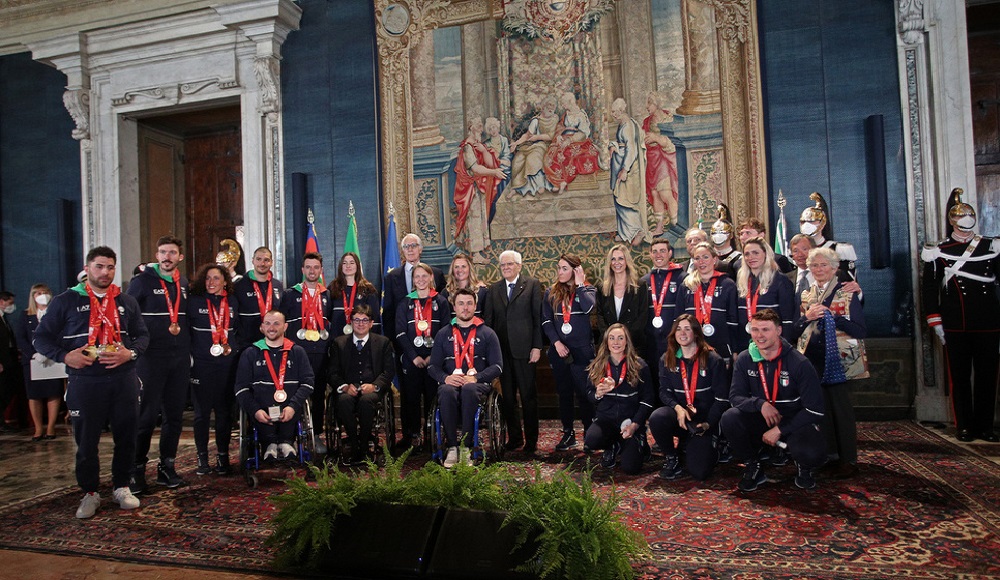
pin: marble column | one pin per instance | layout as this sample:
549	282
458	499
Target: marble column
701	94
425	128
473	73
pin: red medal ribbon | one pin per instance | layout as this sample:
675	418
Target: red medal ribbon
773	395
104	317
264	305
349	306
689	389
703	300
218	320
621	377
312	308
658	302
464	351
423	312
567	310
278	377
752	304
173	309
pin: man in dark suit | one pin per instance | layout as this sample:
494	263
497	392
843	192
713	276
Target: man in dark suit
361	371
398	282
514	311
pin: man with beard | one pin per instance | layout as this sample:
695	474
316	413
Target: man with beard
256	293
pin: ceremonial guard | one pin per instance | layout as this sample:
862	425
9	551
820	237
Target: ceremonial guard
165	370
306	307
814	222
256	294
99	333
959	290
723	238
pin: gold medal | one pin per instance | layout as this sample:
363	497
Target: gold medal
109	348
422	325
174	328
90	352
312	335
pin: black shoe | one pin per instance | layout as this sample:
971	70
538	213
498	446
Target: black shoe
753	476
529	448
725	455
671	468
804	478
222	466
567	442
203	467
513	444
989	436
166	474
779	457
964	435
610	457
137	483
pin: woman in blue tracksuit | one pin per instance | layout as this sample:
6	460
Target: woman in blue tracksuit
213	318
622	394
710	296
566	322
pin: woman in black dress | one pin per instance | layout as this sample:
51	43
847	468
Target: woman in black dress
622	297
46	394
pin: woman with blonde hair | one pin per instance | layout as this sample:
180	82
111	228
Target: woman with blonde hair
760	284
622	297
44	395
710	296
622	394
461	274
566	309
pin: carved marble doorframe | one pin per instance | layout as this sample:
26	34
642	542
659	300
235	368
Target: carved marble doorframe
401	23
200	59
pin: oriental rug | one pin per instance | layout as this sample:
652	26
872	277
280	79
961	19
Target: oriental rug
921	507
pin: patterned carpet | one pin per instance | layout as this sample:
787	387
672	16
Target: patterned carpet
921	507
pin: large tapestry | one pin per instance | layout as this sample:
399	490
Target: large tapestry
567	124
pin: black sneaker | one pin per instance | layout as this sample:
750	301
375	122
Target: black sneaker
222	466
671	468
725	455
804	478
203	467
137	483
610	457
753	476
166	475
567	442
779	457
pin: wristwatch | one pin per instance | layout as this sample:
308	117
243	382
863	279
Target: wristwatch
135	355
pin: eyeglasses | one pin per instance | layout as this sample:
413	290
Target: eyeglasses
357	320
411	246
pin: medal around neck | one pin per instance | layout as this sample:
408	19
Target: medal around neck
348	329
174	328
312	335
280	396
566	328
708	329
324	334
418	341
657	322
748	328
301	334
216	350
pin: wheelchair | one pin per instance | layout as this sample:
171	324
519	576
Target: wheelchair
384	428
251	452
489	433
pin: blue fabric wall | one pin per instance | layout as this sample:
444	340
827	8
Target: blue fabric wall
39	167
329	94
827	66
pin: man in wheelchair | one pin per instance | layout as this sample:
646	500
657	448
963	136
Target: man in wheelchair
465	360
273	382
361	370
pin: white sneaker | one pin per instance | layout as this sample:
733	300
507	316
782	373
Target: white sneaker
271	452
465	456
88	505
285	450
124	498
451	458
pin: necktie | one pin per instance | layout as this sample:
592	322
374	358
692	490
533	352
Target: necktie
409	278
361	344
803	284
510	290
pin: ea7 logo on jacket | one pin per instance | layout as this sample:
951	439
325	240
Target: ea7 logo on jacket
261	363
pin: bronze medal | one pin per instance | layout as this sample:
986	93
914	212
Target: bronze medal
692	410
226	350
429	342
174	328
280	396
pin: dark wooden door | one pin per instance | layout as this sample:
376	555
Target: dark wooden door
984	74
213	187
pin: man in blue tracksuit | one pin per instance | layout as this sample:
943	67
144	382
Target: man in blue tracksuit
98	333
256	293
776	400
465	361
165	371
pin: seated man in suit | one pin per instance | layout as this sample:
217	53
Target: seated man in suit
465	360
361	371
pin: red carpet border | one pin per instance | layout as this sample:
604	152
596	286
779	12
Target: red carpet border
921	507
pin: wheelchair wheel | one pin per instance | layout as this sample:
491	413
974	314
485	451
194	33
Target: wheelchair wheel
433	436
249	460
495	426
385	425
331	429
307	436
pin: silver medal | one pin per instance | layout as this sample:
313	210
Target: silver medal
280	396
418	341
324	335
348	329
657	322
748	328
566	328
457	371
216	350
301	334
708	329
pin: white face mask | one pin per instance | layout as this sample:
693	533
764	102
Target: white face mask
10	309
42	299
719	239
966	223
807	228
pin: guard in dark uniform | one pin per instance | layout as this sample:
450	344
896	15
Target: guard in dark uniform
959	291
814	223
723	234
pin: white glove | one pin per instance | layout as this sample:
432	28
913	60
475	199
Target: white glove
939	331
37	356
